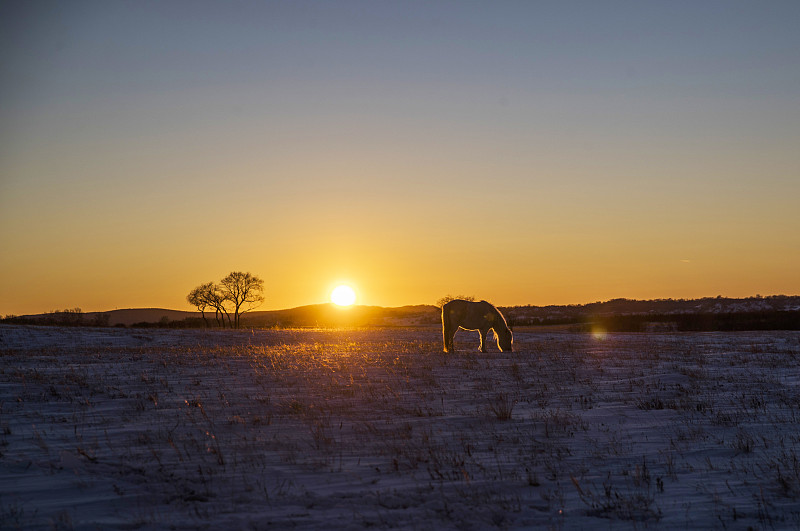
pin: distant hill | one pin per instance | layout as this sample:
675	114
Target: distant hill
316	315
717	313
330	315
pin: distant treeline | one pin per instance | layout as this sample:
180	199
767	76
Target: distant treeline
189	322
655	307
699	322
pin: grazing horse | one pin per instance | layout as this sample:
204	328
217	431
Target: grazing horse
480	316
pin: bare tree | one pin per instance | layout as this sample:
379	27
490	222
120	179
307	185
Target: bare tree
244	291
209	295
216	299
197	299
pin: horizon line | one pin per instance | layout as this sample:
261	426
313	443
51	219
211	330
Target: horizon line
756	297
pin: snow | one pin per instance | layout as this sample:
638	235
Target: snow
347	429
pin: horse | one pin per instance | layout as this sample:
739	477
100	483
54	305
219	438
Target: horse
481	316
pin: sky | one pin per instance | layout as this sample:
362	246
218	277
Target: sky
522	152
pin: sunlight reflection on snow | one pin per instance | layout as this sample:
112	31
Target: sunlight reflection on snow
599	333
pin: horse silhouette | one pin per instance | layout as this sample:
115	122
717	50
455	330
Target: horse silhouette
481	316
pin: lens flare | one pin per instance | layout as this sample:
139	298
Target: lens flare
599	333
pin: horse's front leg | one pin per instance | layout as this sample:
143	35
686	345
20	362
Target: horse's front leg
484	333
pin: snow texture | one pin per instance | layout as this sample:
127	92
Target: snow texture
347	429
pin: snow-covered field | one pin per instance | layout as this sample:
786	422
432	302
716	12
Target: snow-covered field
113	428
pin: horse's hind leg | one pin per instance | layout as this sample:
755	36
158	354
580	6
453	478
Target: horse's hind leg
447	332
449	341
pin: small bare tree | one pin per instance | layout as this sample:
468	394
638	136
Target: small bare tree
209	295
197	299
217	300
244	291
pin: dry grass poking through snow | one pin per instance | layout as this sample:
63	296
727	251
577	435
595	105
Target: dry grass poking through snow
351	429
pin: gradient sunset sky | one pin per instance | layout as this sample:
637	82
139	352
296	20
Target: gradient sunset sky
524	152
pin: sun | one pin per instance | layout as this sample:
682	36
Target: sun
343	295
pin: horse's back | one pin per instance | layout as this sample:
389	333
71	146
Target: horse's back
468	314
